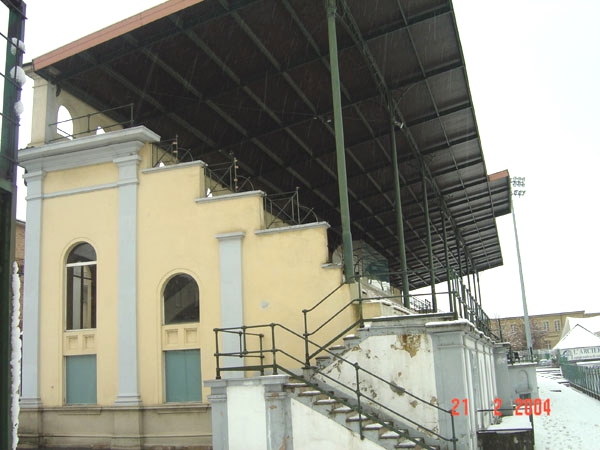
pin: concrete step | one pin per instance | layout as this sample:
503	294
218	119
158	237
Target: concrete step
336	408
309	393
337	349
323	361
352	339
357	418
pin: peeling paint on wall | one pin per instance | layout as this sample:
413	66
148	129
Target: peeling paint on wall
409	342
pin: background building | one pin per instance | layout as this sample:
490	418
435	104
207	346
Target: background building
546	329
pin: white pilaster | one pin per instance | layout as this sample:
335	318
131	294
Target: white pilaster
30	396
232	310
128	394
45	112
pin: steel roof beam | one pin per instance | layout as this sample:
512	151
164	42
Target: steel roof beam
379	80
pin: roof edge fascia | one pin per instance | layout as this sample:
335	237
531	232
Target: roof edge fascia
112	31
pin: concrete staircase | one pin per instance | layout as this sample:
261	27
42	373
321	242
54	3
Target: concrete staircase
334	403
383	432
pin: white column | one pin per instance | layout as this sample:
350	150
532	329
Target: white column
232	310
30	396
45	112
128	394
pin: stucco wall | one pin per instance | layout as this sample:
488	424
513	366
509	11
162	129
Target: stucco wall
178	231
405	360
87	217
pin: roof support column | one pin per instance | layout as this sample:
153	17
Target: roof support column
478	286
447	262
399	219
461	285
339	142
429	246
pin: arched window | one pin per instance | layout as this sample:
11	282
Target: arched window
81	287
181	300
64	125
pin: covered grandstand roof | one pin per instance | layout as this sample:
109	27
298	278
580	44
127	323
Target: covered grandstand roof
250	78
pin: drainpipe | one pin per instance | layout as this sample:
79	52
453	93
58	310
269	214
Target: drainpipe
339	143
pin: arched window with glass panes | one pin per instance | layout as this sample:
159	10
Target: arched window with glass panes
81	287
181	300
181	310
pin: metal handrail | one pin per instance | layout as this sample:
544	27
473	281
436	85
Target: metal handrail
358	370
129	122
285	207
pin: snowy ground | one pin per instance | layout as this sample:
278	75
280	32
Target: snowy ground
574	420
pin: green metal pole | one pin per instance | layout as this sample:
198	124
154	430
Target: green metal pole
447	262
429	245
399	218
8	189
478	287
340	149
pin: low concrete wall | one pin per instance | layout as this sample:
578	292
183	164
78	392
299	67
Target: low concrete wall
257	414
523	380
173	426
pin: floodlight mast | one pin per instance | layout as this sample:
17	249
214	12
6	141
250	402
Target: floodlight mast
518	190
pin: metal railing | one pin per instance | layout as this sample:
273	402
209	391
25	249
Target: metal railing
225	177
370	411
169	152
87	122
585	377
284	208
312	350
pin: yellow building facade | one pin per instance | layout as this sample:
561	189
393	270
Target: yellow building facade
546	329
130	267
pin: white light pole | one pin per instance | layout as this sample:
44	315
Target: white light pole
519	184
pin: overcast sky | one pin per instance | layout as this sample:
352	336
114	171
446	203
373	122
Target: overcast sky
534	73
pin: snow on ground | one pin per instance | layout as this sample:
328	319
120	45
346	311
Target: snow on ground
574	420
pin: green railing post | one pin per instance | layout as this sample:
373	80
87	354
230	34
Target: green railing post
306	356
262	357
274	349
358	406
360	304
453	431
242	336
217	356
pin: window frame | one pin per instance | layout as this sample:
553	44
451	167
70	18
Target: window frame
557	325
163	300
69	296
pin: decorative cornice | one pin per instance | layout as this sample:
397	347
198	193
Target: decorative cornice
303	226
235	235
86	151
175	166
233	196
